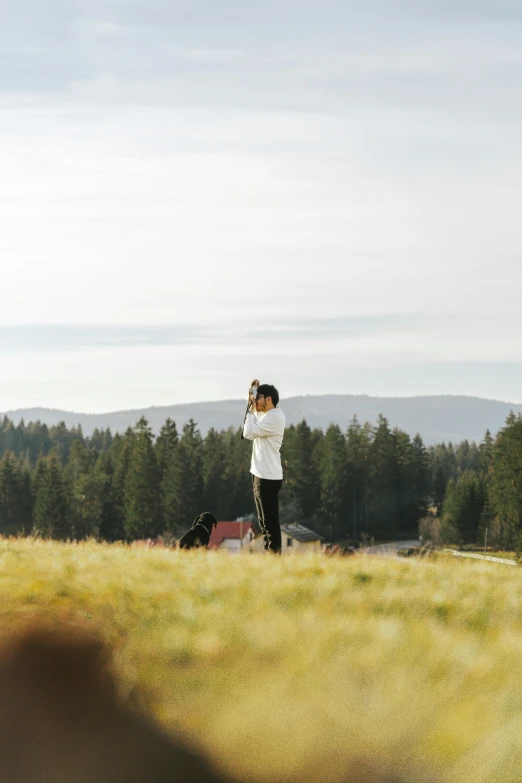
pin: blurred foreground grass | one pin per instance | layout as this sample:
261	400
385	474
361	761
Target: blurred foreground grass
289	668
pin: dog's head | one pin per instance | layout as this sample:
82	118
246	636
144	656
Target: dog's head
207	519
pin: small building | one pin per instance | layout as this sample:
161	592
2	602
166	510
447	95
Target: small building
294	538
298	538
232	536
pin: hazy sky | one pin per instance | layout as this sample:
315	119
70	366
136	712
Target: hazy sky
326	195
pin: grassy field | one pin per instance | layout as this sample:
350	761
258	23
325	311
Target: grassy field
290	668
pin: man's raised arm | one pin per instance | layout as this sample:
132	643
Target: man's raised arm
262	428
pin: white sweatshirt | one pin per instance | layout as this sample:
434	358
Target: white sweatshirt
266	430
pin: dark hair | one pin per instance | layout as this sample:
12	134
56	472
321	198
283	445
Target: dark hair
269	391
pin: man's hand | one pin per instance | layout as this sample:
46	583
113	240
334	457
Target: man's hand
251	400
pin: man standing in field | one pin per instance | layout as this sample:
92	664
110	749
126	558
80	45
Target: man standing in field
265	426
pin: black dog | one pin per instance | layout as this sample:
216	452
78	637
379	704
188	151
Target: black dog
199	533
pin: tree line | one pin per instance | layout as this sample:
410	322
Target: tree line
478	490
372	480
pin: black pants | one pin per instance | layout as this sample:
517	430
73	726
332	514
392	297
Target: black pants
266	496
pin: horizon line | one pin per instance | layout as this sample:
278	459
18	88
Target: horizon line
235	400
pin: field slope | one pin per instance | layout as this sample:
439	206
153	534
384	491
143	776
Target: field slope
289	668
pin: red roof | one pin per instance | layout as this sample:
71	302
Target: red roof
228	530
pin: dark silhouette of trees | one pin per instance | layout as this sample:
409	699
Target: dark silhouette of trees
372	480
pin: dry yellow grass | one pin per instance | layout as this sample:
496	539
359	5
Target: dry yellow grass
289	668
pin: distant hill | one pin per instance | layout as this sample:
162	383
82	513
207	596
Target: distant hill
436	418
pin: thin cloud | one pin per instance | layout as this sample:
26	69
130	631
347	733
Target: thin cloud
333	57
75	337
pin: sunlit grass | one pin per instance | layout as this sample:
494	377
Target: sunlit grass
289	668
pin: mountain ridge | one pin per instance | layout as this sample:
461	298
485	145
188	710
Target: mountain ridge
437	418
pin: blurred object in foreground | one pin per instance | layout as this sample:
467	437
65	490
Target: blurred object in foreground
62	721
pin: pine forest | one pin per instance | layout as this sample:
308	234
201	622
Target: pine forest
370	482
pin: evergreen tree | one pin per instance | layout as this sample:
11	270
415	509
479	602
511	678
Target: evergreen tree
213	469
14	496
421	476
332	465
37	441
444	467
104	470
50	512
238	479
467	456
88	505
113	526
461	455
101	440
85	490
9	437
81	460
8	493
505	482
301	475
382	482
403	520
358	441
25	505
486	451
166	444
183	482
143	507
288	506
464	504
63	438
20	438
